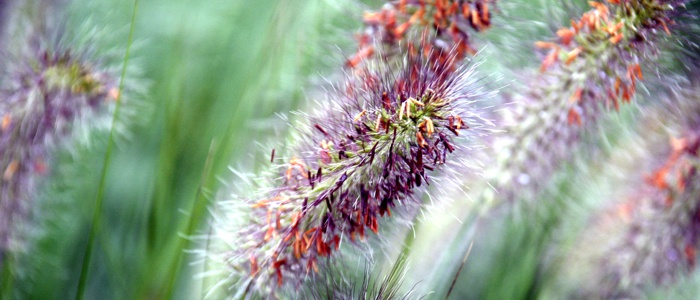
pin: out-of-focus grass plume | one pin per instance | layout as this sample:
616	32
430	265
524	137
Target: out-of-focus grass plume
53	88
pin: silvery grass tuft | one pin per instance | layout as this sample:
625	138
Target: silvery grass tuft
51	88
333	285
362	155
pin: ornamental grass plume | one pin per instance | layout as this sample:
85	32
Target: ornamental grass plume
657	220
444	25
549	115
593	65
49	89
360	157
366	152
613	40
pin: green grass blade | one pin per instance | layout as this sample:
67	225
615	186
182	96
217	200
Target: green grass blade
94	225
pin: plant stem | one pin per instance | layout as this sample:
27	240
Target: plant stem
94	225
197	211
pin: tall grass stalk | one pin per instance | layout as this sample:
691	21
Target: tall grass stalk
95	223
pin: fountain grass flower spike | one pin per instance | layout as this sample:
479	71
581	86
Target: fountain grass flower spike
615	40
594	64
47	88
445	22
362	157
661	217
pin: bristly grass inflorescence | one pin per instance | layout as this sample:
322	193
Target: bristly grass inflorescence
361	157
47	88
443	24
661	216
613	41
593	65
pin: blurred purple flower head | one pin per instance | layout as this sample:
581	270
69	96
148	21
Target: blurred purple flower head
47	88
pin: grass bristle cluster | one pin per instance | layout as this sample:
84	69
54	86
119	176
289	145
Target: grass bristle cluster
359	159
47	89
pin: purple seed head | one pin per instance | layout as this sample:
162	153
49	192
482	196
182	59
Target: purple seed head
361	155
46	89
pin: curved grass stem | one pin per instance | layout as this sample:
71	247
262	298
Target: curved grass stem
95	223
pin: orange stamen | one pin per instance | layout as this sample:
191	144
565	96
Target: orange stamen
6	122
11	170
572	55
